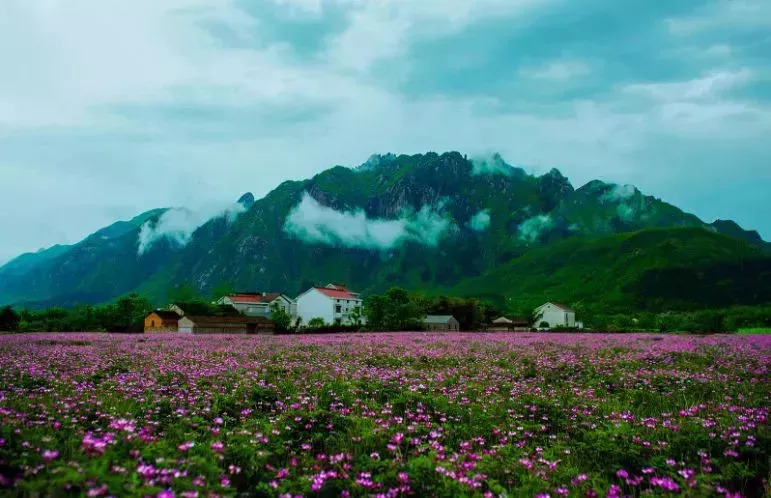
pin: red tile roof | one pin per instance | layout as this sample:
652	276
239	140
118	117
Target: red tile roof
252	297
336	293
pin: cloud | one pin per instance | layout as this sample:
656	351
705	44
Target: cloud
312	222
705	87
480	221
534	228
631	206
490	165
618	193
179	224
557	70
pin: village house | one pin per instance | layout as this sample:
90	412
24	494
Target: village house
161	321
190	324
514	324
259	303
334	303
445	323
554	315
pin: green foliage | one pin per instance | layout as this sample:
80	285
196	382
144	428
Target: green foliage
224	288
124	315
280	318
9	319
316	322
395	310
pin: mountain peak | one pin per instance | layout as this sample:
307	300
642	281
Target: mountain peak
246	200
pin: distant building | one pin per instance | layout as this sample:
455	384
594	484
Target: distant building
176	309
504	324
259	303
334	303
445	323
555	315
161	321
190	324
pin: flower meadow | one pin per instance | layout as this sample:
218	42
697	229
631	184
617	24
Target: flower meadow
386	414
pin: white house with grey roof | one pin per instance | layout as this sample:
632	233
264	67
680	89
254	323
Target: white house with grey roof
554	315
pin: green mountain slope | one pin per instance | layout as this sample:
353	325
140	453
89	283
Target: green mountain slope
426	221
648	269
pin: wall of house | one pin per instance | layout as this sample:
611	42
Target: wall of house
556	317
154	323
314	304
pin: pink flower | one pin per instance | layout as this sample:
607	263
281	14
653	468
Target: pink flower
217	447
186	446
49	455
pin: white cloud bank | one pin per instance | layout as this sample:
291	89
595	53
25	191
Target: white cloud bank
480	221
179	224
312	222
533	228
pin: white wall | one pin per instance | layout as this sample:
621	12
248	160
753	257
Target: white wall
185	326
314	304
555	316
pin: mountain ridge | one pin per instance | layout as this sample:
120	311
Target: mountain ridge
424	221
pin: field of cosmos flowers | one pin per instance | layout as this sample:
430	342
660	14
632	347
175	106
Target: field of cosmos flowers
387	414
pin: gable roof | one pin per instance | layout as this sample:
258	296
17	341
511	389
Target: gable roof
337	292
254	297
563	307
502	319
165	315
439	319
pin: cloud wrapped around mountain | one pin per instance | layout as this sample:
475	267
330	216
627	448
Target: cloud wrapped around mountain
179	224
630	205
533	228
490	165
312	222
480	221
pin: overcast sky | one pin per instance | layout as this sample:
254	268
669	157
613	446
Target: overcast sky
112	107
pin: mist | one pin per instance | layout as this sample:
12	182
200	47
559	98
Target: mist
533	228
179	224
480	221
312	222
492	164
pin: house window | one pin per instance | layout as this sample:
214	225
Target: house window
338	308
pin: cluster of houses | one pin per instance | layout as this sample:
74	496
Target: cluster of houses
250	312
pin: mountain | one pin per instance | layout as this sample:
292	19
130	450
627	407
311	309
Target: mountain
654	268
428	221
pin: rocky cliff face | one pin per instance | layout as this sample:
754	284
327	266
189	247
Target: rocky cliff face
426	220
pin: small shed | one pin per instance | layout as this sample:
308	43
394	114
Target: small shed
190	324
504	324
161	321
441	323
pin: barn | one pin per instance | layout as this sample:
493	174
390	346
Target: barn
225	325
161	321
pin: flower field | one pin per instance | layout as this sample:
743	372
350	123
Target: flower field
385	415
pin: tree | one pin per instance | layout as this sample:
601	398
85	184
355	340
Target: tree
280	318
355	316
130	312
223	288
9	319
316	323
396	310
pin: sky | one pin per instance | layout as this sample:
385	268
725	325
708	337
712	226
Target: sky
109	108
